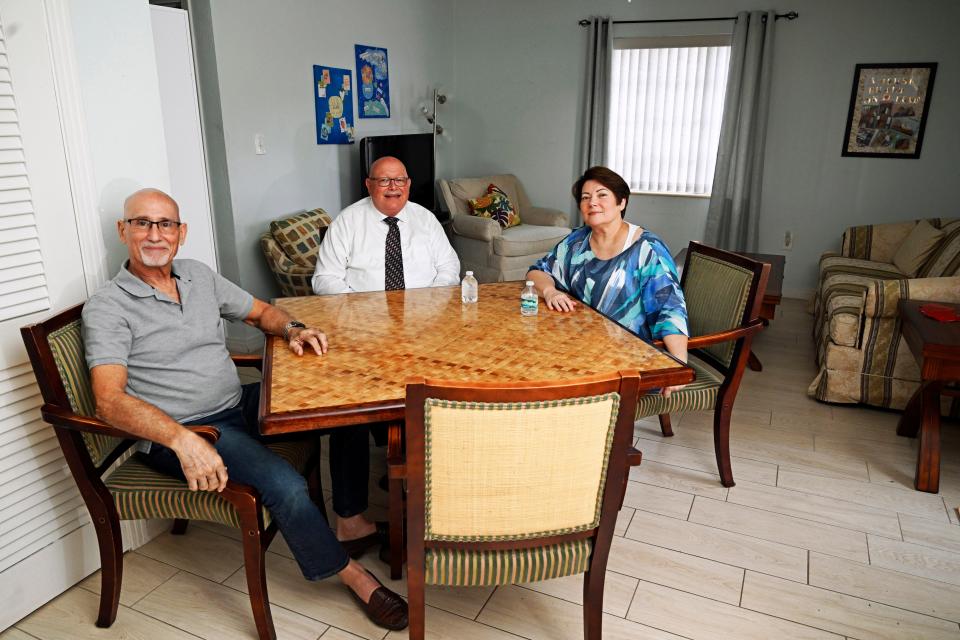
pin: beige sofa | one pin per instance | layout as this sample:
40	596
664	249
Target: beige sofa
859	347
492	253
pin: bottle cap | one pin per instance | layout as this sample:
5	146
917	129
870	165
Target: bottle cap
529	283
469	273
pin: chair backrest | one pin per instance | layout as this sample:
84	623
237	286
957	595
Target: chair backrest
299	236
457	191
723	291
56	352
522	462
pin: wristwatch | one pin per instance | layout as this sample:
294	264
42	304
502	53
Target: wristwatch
293	324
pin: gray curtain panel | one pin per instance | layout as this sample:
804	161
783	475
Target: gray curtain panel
599	55
733	218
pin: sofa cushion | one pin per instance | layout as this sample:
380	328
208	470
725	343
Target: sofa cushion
913	253
299	236
528	239
495	204
945	259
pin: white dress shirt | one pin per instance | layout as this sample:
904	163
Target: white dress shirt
351	256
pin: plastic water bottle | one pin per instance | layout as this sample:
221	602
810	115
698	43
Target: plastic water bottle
468	289
529	300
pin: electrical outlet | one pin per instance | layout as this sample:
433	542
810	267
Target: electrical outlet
258	145
788	240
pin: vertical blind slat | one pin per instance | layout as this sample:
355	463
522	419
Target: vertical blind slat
666	106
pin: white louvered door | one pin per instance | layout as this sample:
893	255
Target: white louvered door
46	542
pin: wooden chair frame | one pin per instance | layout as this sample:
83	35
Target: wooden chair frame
750	325
622	456
69	428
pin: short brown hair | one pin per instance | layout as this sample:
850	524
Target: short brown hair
608	178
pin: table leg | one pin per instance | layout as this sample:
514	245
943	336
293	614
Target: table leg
909	423
395	463
928	456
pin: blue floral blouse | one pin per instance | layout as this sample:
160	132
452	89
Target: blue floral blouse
639	288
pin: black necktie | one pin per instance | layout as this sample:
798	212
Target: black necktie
393	257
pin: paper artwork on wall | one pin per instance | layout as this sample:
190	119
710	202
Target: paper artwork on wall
373	92
334	104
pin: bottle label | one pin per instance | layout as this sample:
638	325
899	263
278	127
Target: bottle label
528	305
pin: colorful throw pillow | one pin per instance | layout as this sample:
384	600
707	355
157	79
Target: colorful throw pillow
918	246
300	236
496	206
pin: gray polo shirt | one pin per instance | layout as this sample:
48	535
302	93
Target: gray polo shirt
175	354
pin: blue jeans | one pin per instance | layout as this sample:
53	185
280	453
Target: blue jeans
284	491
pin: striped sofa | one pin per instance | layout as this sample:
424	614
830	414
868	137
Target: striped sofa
856	329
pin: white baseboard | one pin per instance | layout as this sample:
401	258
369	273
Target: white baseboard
40	577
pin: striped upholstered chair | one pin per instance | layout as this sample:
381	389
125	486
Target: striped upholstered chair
511	483
131	490
724	292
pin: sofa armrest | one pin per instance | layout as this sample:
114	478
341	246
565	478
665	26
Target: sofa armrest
475	227
876	242
883	296
544	217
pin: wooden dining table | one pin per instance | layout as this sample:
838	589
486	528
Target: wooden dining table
378	340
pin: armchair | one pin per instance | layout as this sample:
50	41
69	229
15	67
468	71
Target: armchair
724	294
856	329
290	247
492	253
534	496
132	490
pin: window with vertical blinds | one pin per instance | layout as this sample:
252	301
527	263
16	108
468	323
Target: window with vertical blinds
666	106
23	289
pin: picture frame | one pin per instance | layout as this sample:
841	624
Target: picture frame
889	104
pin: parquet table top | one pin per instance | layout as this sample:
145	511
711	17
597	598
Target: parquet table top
380	339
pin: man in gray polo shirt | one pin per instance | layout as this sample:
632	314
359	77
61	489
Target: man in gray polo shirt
154	340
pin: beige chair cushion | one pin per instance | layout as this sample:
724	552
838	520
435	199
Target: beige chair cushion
917	248
528	239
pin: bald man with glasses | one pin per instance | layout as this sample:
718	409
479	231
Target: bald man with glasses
385	242
155	346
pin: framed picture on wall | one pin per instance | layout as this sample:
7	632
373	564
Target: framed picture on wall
888	109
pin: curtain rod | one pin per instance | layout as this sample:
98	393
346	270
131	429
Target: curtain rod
790	15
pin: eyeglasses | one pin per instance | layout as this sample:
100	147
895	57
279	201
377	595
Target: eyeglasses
142	225
385	182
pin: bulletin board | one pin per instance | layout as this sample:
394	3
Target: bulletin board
334	103
373	76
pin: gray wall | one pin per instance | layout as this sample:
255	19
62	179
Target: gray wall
264	56
517	101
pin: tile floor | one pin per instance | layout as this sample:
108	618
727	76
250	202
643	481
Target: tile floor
822	537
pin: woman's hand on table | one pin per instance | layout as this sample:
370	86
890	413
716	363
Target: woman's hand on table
309	336
558	300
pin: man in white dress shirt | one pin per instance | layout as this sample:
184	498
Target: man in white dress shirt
384	241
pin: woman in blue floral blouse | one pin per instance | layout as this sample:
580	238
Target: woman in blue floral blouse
623	271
